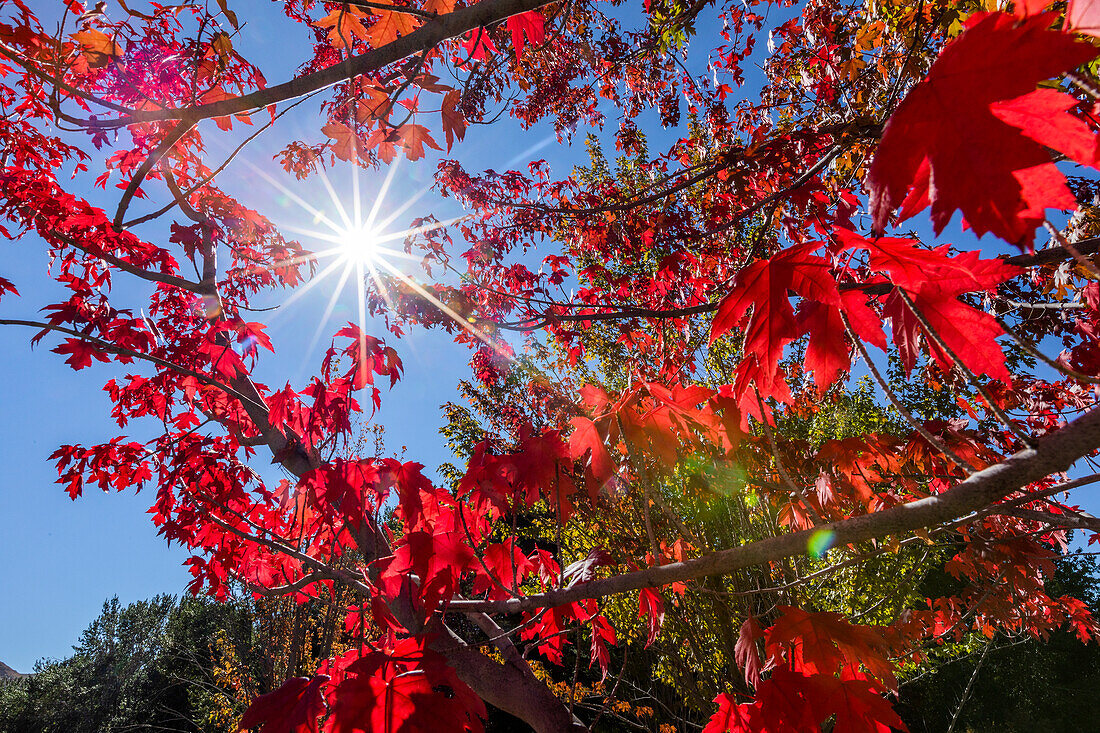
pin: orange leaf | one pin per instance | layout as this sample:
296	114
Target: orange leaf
414	138
439	7
98	47
375	106
390	25
346	142
344	24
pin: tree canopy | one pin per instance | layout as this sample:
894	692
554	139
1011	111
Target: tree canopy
689	434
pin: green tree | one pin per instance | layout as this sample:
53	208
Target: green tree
191	664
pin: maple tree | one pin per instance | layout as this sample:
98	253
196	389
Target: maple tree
729	286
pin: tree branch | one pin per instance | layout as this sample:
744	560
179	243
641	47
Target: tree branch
427	36
1054	452
157	277
122	351
163	148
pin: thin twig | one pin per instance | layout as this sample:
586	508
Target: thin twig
940	343
969	687
932	440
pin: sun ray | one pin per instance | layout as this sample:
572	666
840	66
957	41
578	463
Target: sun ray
360	291
403	207
338	237
356	204
333	298
317	213
420	229
335	198
380	284
358	247
396	253
381	197
306	288
443	307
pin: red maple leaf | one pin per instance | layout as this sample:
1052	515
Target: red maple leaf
410	689
293	708
734	718
1083	16
933	281
949	138
829	351
827	643
602	635
651	608
792	702
763	286
414	138
528	24
502	564
745	652
6	286
856	703
80	353
478	45
454	123
584	439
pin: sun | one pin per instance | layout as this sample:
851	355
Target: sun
361	251
360	244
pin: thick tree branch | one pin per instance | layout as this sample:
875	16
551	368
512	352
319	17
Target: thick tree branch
511	686
1053	452
429	35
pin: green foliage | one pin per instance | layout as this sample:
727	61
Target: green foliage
126	672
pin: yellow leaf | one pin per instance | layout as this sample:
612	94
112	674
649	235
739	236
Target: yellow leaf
925	536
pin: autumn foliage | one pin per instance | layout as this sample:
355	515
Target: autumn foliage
665	444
